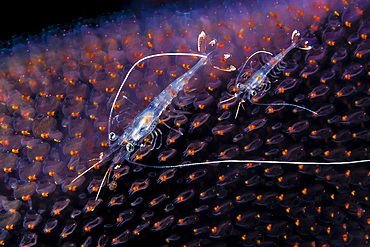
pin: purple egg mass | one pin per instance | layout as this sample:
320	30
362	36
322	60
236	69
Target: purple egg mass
58	88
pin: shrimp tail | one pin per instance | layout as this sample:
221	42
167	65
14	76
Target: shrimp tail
213	60
296	36
201	42
300	43
211	57
230	68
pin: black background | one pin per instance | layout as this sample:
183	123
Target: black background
32	17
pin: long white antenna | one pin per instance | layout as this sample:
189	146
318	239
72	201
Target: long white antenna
102	183
84	172
259	161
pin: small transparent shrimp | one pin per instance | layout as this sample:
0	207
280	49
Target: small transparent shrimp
258	83
145	122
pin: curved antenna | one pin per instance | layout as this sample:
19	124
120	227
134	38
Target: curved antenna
288	104
257	52
298	106
257	161
133	67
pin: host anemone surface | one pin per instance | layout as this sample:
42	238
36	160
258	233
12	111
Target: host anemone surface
57	90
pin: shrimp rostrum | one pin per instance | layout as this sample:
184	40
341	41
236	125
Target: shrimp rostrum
145	122
256	85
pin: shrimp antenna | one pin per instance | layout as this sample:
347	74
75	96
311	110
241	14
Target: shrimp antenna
169	127
77	160
298	106
102	158
258	161
87	170
131	101
231	98
237	111
102	182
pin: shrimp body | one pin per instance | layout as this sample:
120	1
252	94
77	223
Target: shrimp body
258	81
145	122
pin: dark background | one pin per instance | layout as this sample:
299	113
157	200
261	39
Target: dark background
31	17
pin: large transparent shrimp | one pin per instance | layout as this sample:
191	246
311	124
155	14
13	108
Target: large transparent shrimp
146	121
258	83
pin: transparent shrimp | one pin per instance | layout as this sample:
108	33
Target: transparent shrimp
145	122
258	83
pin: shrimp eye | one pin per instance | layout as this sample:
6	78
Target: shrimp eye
112	136
130	148
253	93
238	85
